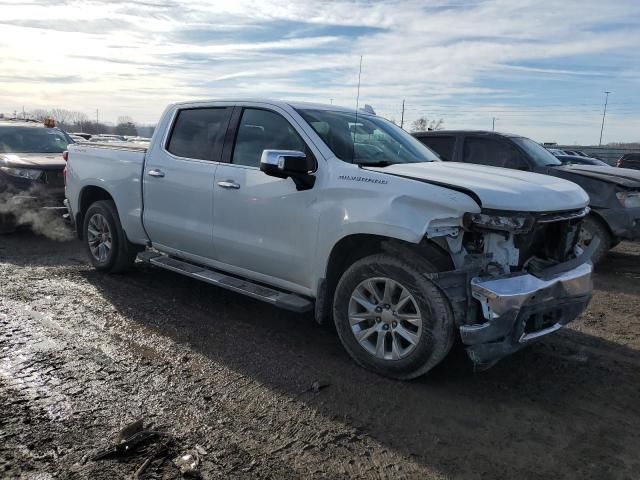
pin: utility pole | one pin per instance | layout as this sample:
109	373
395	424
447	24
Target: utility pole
604	114
493	126
97	119
402	118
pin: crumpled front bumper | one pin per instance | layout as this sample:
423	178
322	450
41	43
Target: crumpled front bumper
519	308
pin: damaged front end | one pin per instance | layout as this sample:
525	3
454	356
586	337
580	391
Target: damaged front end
518	277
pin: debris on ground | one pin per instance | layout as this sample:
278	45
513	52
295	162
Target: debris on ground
188	463
318	385
127	441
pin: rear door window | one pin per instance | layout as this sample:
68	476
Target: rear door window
199	133
442	145
487	151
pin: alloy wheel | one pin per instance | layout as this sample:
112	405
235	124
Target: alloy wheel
385	318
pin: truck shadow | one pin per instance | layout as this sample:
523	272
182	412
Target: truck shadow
562	399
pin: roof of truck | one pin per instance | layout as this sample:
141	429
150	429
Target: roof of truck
278	103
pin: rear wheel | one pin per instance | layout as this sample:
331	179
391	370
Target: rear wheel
391	319
7	223
105	241
592	228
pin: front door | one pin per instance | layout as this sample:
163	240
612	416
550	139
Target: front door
178	182
262	224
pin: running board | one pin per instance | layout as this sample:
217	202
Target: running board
288	301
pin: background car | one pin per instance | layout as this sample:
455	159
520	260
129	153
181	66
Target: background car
85	136
31	170
614	192
578	160
629	160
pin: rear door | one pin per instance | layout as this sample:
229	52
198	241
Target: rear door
178	181
443	145
493	152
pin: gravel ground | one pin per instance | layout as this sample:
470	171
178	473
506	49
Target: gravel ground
232	380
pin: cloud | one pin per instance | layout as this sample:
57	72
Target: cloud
463	61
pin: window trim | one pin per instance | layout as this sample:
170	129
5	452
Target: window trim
239	111
174	121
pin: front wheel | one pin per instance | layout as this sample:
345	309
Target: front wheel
105	241
391	319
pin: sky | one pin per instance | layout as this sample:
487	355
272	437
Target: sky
539	67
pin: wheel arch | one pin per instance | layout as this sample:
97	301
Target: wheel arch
351	248
88	195
603	220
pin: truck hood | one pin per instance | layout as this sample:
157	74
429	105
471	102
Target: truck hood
624	177
496	188
42	161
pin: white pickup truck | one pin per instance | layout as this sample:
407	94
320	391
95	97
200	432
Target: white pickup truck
309	206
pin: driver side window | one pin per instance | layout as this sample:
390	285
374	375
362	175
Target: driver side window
263	130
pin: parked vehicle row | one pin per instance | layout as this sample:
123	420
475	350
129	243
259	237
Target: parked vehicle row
614	192
577	160
315	207
573	153
629	160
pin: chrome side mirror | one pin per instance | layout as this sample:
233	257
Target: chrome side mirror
289	163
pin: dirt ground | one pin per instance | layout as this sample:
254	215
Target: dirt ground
230	379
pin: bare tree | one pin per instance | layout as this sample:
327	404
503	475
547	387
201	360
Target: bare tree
61	116
125	126
78	118
423	124
38	114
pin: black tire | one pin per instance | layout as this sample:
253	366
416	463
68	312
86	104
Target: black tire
592	227
437	331
7	223
122	253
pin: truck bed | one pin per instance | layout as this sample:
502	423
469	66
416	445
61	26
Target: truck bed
116	168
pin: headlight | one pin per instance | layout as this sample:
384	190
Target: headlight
507	223
27	173
629	199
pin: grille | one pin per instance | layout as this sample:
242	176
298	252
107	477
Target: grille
54	178
552	240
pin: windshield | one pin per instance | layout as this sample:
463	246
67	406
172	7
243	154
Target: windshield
15	139
537	153
367	140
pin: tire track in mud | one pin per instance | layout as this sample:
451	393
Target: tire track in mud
90	365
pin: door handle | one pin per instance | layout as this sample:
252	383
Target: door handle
229	184
155	173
